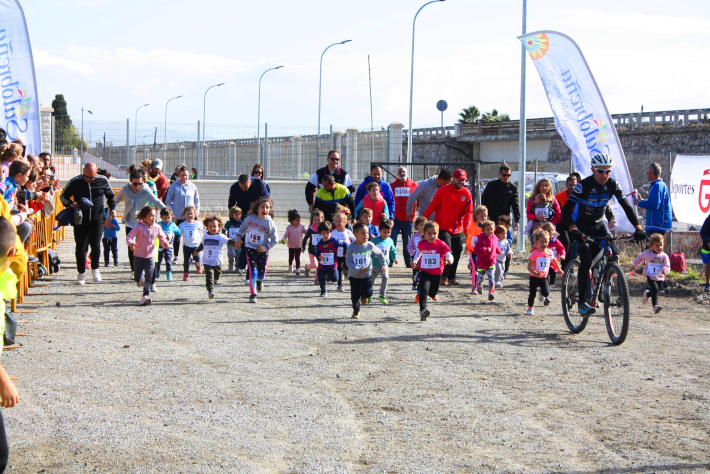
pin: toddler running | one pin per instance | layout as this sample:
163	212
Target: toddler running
212	242
540	261
480	214
417	237
506	250
344	236
141	241
434	255
486	250
558	251
311	239
191	234
359	261
388	249
170	230
326	253
231	228
656	266
294	236
110	241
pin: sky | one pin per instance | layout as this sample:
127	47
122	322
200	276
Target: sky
111	56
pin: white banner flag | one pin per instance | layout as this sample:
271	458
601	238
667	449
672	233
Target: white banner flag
581	116
690	189
17	78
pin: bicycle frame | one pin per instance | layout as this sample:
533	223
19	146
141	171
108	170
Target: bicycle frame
600	261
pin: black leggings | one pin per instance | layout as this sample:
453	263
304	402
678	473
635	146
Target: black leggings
176	240
428	286
536	283
187	253
654	287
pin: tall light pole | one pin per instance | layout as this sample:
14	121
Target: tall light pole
411	84
135	128
165	141
81	146
258	120
204	109
320	83
522	144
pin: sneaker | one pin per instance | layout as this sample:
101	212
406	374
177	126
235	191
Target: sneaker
585	310
80	278
453	282
531	312
169	276
157	274
186	277
115	264
444	282
145	301
414	287
316	282
657	309
259	286
499	285
217	283
175	261
423	314
308	273
436	298
416	300
96	275
323	293
645	297
210	295
346	272
153	287
199	269
474	290
364	300
290	268
252	298
384	300
298	272
547	301
341	289
491	295
356	314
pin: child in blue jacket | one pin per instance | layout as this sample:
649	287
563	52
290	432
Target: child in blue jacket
110	240
170	230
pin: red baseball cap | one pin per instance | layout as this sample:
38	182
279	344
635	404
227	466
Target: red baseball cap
459	174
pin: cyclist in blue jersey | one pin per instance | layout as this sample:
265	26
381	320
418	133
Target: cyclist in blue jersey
583	214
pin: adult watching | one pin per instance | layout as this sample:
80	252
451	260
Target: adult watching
330	195
583	215
160	180
385	189
501	197
258	172
421	197
136	194
403	187
453	205
180	194
93	187
659	215
332	168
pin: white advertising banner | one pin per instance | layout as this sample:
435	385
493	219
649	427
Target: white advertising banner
690	189
17	78
580	114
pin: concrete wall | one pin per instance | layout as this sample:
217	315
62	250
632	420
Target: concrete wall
508	150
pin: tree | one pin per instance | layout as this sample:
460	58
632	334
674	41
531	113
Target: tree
493	116
469	114
62	122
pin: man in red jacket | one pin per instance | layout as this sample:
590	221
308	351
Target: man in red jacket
453	205
402	187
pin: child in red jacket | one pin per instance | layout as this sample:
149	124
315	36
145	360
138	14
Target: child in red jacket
486	249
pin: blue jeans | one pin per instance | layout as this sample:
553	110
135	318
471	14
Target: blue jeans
406	228
167	255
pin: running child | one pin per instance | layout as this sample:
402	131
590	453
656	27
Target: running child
311	239
417	237
505	222
656	266
344	236
259	234
170	230
212	242
365	216
388	249
294	236
359	261
480	214
540	261
110	241
141	241
327	255
373	200
230	229
191	234
558	250
432	255
486	250
506	250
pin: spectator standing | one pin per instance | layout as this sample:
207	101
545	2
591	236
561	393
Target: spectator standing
89	187
258	172
425	191
402	187
501	197
181	193
453	205
385	189
659	215
330	195
160	180
332	168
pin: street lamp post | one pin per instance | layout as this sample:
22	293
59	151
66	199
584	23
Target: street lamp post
135	128
81	146
165	138
258	120
411	84
320	82
522	142
204	109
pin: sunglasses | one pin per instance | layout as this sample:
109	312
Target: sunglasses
90	178
508	175
602	171
334	159
136	184
258	172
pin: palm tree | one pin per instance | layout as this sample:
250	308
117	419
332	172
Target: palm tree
469	114
493	116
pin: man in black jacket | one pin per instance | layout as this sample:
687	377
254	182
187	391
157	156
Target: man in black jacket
501	196
95	188
245	192
333	168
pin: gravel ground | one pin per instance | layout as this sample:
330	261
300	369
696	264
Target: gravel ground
293	385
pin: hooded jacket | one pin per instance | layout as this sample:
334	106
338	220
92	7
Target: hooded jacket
135	202
385	191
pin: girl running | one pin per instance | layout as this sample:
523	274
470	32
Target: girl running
141	241
656	266
311	240
345	237
486	250
539	263
434	255
294	236
480	214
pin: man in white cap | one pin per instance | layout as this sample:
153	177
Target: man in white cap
161	181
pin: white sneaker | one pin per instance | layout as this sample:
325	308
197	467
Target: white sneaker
290	268
97	275
499	285
645	297
657	309
153	287
80	278
531	312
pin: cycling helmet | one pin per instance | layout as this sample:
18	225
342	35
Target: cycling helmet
602	159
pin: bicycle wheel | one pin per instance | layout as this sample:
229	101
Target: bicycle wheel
570	298
616	304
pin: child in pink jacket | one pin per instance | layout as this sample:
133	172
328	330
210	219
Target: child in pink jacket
656	266
141	241
294	236
486	249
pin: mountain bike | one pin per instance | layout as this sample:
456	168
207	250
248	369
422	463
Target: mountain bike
607	283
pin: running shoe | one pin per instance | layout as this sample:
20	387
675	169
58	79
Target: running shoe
298	272
383	300
423	314
531	312
585	310
444	282
186	277
252	298
436	298
645	297
414	287
474	290
356	314
210	295
453	282
169	276
96	275
199	269
153	287
657	309
547	301
157	274
491	295
80	279
290	268
323	293
499	285
416	299
341	289
145	301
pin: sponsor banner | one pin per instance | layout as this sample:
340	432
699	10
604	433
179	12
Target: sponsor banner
17	78
690	189
580	114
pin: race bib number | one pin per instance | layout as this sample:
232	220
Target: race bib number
328	258
542	264
385	249
554	253
189	234
170	236
655	269
315	238
340	251
474	239
544	212
431	261
361	260
232	233
255	238
211	252
402	191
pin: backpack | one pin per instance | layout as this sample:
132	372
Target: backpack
678	262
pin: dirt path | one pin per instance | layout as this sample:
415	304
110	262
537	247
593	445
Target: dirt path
293	385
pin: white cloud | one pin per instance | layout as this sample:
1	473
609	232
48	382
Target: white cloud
43	58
